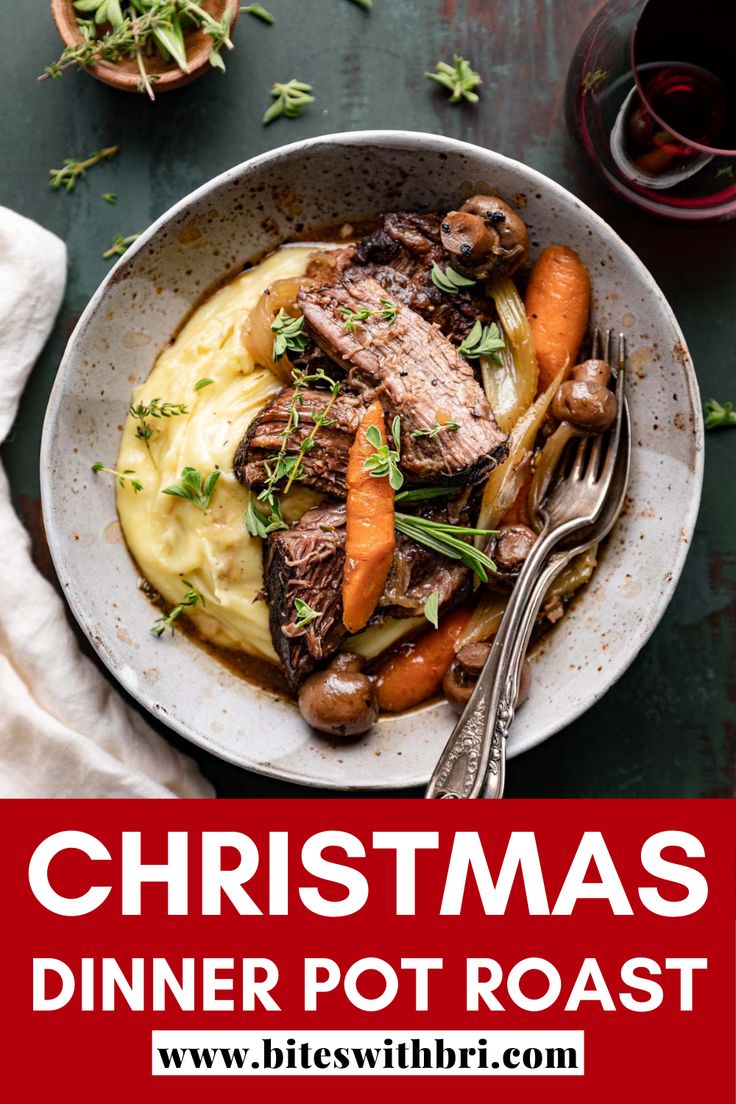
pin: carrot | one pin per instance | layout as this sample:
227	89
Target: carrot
370	536
558	304
414	671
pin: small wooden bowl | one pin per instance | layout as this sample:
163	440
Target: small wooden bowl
124	74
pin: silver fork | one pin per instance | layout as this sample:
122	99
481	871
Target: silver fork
575	501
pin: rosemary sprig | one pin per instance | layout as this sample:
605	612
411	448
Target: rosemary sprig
437	428
289	100
73	170
283	466
119	245
449	281
459	79
420	494
387	312
201	384
122	477
305	614
290	336
482	341
432	608
191	598
718	415
385	460
260	524
259	12
192	488
447	540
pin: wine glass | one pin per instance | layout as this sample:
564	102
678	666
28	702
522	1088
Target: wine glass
651	97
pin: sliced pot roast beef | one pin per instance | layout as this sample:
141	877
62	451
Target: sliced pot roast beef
307	561
416	373
324	466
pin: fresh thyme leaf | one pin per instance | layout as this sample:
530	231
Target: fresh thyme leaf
305	614
259	12
366	5
593	79
448	541
109	197
192	488
289	100
123	477
419	494
158	409
436	429
191	598
482	341
432	608
119	245
459	79
719	415
387	312
449	281
201	384
290	336
259	524
74	170
384	462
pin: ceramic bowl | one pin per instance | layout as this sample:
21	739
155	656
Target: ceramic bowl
234	219
124	74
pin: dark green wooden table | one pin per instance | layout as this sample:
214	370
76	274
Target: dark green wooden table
669	727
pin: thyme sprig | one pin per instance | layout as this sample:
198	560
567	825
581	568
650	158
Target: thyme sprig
459	79
448	540
119	245
437	428
385	460
123	477
305	614
260	524
155	409
259	12
191	598
718	415
193	488
73	170
387	312
449	280
290	336
482	341
289	100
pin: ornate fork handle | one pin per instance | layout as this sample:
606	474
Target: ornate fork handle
475	747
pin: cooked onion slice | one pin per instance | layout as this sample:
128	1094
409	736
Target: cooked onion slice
511	385
257	335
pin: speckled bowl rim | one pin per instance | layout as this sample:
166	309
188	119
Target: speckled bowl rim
423	142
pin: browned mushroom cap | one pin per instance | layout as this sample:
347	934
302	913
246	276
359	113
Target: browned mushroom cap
508	550
485	238
589	407
592	371
462	674
340	700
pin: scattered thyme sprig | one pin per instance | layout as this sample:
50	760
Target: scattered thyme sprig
447	540
290	336
119	244
449	280
718	415
305	614
123	477
192	488
482	341
387	312
154	409
259	12
259	524
110	197
289	100
459	79
191	598
73	170
432	608
385	460
437	428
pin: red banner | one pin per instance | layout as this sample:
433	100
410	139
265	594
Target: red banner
354	947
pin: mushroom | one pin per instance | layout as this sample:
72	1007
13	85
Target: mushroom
485	238
585	401
340	700
463	673
510	548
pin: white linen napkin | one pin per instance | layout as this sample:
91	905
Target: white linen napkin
64	731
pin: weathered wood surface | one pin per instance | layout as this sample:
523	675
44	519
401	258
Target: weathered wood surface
669	727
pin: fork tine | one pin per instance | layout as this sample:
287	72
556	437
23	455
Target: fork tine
578	465
615	435
607	346
595	346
